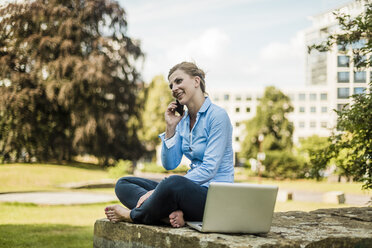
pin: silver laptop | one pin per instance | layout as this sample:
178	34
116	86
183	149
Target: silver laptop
238	208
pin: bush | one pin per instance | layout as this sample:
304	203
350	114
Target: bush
121	168
282	164
155	168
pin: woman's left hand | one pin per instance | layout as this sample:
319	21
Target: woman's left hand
143	198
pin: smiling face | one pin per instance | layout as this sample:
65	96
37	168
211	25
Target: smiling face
183	86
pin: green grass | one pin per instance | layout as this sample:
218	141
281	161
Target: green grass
29	225
306	206
75	215
43	177
323	186
241	175
45	236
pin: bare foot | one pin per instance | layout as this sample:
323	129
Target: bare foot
176	219
116	213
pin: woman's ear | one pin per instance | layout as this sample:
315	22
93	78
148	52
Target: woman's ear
197	81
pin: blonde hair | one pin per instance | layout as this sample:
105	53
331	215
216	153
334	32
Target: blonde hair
192	70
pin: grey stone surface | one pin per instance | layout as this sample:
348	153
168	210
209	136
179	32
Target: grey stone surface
343	227
57	198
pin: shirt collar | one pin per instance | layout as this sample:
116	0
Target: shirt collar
207	102
205	105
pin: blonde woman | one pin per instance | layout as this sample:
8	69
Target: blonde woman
204	135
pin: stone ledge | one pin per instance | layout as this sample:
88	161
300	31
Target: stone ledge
341	227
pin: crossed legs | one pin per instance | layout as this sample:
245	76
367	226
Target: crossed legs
176	199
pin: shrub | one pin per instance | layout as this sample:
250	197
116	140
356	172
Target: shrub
121	168
155	168
282	164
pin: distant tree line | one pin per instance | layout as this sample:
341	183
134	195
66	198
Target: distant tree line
68	81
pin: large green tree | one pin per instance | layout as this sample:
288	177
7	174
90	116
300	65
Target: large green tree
157	97
351	143
68	82
271	122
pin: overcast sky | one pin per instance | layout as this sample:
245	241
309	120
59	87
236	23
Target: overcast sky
239	43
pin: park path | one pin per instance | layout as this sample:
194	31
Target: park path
74	197
57	198
313	196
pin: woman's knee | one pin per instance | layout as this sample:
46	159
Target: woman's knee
120	183
173	183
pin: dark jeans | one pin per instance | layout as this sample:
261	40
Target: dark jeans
171	194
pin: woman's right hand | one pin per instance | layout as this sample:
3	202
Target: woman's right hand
143	198
171	120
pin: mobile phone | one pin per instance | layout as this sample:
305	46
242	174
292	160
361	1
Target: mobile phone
179	108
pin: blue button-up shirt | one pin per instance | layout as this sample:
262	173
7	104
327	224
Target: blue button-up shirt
208	145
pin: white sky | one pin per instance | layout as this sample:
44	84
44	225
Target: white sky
239	43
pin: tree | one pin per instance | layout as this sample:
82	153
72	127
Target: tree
271	122
157	97
353	33
309	149
351	143
68	83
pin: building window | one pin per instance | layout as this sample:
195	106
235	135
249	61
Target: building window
342	47
323	96
323	124
358	44
237	110
237	138
238	98
312	97
359	90
343	93
343	76
226	97
247	109
324	109
312	109
341	106
359	76
291	97
313	124
216	98
301	124
301	97
343	61
237	124
248	98
302	109
359	60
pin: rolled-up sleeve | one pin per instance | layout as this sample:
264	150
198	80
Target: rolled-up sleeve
171	152
218	138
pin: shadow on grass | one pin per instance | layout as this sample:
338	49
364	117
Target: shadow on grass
74	164
81	165
45	235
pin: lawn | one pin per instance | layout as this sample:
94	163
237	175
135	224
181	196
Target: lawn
45	177
29	225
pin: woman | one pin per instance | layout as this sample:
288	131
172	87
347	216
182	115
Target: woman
204	135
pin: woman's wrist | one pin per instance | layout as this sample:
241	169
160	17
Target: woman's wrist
169	132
